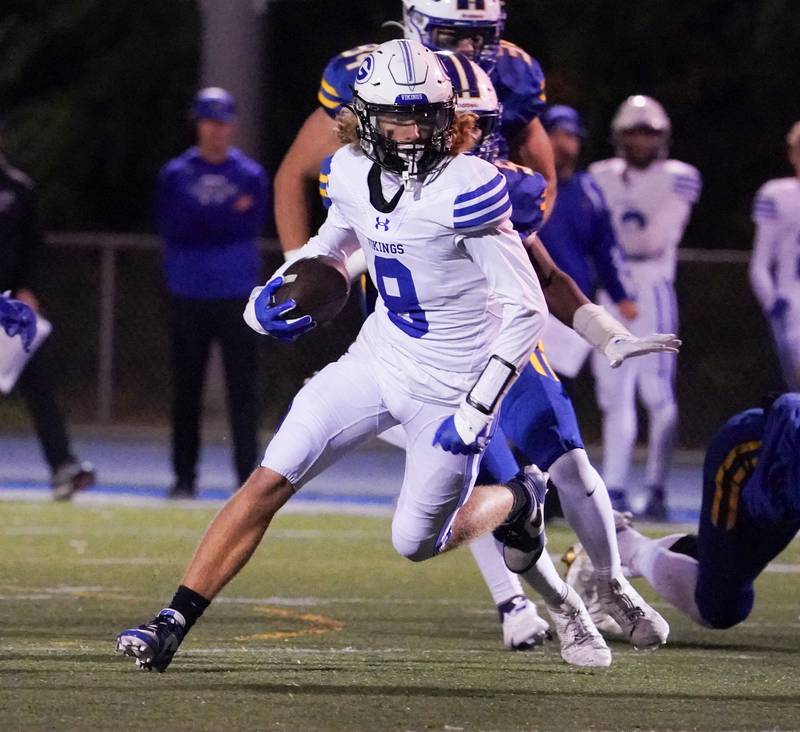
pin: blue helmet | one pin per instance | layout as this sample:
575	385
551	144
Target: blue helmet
562	117
214	103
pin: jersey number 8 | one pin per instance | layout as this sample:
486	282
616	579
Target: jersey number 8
398	293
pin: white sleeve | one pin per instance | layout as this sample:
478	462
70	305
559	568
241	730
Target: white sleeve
335	238
504	262
765	215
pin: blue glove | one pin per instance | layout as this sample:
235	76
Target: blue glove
464	432
269	314
447	436
17	318
779	308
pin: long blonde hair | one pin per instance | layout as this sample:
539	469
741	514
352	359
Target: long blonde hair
463	132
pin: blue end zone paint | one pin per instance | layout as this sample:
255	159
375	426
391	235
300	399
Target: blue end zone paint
677	515
208	494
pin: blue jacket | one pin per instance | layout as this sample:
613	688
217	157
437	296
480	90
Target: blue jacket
210	216
579	237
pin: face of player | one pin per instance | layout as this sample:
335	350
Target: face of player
566	149
402	128
641	146
214	139
469	41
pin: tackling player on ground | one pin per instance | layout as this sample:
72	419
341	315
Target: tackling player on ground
750	512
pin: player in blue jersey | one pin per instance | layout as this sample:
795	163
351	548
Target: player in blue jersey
580	238
750	512
17	318
537	415
474	28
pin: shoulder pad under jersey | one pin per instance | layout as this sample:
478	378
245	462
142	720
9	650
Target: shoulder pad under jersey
483	201
336	85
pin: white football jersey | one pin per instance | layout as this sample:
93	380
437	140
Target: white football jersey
650	208
455	282
775	264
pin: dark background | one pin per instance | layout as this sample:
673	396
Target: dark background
95	93
95	96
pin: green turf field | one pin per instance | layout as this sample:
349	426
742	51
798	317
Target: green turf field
327	629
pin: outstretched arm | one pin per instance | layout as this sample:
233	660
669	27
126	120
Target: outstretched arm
561	292
593	322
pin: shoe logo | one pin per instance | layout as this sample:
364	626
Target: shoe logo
384	225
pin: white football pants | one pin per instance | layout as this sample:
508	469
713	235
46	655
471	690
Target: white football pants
354	399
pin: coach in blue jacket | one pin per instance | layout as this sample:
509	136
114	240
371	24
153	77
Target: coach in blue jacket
212	201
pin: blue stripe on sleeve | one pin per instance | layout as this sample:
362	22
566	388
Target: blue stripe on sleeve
490	217
483	205
485	188
765	208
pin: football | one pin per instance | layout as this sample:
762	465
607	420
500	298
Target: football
319	285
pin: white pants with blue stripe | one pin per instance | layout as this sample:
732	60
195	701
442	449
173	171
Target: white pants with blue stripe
354	399
651	378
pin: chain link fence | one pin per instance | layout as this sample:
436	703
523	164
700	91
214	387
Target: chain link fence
110	344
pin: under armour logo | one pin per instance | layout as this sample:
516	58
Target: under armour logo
381	224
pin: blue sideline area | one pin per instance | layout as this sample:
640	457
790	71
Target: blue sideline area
139	467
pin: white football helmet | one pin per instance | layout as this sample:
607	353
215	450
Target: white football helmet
402	84
441	24
475	93
641	112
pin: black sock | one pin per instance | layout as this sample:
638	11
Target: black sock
189	604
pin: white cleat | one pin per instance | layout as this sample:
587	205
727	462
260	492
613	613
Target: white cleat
581	643
643	626
523	627
580	576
